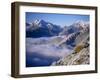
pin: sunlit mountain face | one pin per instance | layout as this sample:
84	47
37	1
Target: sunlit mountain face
47	42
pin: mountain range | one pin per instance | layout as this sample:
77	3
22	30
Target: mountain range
54	42
41	28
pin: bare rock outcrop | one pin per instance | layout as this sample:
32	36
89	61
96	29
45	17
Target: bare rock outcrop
78	57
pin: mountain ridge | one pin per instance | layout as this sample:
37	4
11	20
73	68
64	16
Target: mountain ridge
46	29
80	53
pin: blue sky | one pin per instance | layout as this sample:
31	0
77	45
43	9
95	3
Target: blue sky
58	19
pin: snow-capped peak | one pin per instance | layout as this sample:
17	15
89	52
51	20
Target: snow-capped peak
81	24
37	21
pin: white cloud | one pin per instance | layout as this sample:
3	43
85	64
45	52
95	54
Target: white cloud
46	49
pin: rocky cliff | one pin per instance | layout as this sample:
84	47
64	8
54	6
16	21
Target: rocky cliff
80	54
76	58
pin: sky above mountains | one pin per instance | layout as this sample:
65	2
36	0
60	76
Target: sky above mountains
59	19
